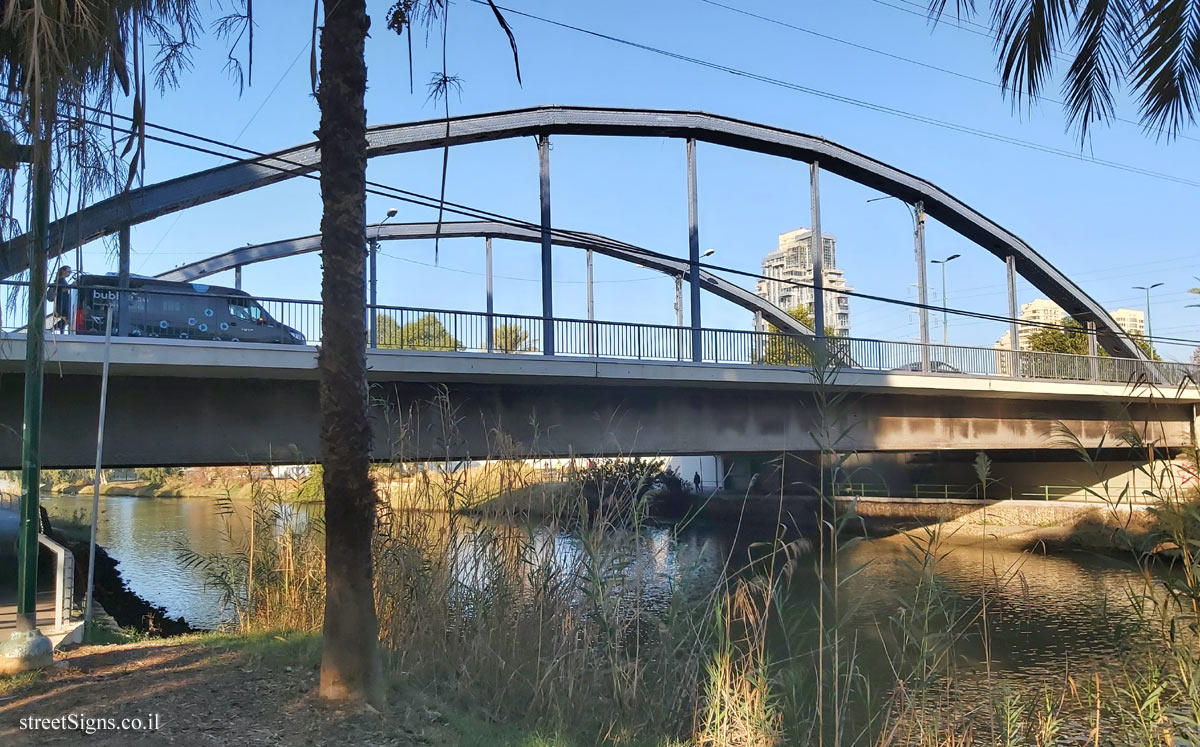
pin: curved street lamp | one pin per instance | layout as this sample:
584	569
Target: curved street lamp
1149	329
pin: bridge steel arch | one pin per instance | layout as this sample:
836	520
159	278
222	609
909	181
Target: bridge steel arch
245	255
146	203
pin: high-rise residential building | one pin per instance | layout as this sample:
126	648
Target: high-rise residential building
792	261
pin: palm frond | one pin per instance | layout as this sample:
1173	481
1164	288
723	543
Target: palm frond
1167	67
1029	33
1104	40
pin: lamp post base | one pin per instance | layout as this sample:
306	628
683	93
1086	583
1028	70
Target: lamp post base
25	650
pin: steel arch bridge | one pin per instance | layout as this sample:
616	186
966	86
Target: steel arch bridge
146	203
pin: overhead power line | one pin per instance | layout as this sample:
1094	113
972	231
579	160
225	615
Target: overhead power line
416	198
860	103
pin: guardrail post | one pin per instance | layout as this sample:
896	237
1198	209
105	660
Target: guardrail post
547	251
694	251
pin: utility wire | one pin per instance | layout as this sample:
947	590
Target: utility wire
421	200
860	103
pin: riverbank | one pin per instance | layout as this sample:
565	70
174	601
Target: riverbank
253	690
1019	524
144	489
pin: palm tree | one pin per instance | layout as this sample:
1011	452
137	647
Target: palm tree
1150	48
350	667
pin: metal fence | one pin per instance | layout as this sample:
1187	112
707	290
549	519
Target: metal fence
225	317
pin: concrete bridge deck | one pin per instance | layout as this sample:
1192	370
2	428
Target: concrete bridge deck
183	402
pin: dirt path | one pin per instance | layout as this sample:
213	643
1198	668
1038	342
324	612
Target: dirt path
201	692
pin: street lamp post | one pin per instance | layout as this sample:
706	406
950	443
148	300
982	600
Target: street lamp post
1149	328
945	313
918	215
374	250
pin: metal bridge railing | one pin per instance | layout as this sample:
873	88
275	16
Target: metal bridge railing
240	318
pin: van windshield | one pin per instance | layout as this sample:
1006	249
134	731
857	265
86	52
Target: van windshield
247	310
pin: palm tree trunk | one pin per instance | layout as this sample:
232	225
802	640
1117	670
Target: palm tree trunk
350	668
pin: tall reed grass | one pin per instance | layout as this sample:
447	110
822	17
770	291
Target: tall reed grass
550	609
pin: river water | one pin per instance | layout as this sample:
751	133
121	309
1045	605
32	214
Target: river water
1049	611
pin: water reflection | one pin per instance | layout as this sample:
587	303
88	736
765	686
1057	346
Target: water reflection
1047	610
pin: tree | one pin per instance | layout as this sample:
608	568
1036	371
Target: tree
1071	338
425	333
1149	47
513	338
350	666
785	350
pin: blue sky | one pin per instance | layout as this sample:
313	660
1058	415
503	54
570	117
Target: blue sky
1107	228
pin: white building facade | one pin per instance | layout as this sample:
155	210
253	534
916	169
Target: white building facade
1044	311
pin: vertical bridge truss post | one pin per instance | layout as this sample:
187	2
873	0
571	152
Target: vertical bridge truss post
487	271
1014	334
373	287
922	281
123	281
694	253
547	255
591	308
817	252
